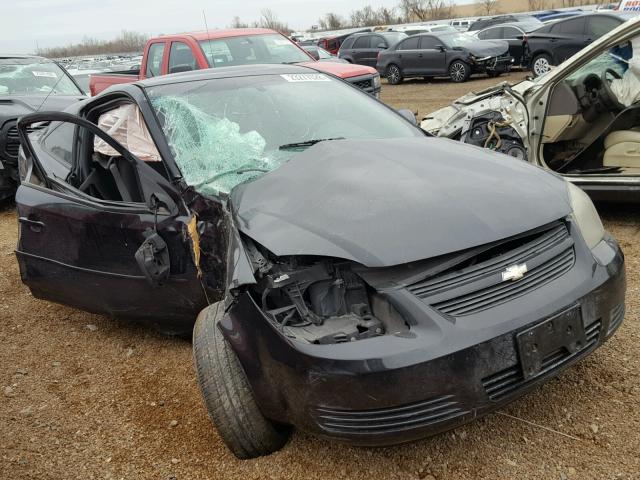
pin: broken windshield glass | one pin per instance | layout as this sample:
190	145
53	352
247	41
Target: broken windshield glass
229	130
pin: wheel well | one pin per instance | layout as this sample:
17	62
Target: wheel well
392	64
457	60
541	52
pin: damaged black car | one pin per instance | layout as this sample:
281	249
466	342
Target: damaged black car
453	55
351	276
27	84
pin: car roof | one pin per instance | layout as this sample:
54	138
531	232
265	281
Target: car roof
225	72
519	25
219	33
360	34
22	56
620	15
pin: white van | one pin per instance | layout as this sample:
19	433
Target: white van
461	24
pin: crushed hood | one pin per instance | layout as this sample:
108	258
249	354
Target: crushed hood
488	48
388	202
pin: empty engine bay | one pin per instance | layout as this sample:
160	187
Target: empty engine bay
321	300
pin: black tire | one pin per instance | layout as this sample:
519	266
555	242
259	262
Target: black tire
227	394
394	74
494	73
540	64
459	71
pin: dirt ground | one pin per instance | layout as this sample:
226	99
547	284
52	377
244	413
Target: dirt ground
87	397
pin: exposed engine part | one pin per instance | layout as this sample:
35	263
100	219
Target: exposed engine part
463	120
323	301
492	131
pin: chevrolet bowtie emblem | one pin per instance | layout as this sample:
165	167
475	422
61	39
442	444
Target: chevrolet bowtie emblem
514	272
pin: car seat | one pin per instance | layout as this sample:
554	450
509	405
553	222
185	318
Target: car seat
622	149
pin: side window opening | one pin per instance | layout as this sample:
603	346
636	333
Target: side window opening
429	43
154	60
100	171
362	42
409	44
181	58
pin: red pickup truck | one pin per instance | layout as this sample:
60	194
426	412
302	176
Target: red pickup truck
221	48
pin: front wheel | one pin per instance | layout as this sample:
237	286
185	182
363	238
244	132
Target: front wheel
227	394
459	71
394	74
541	64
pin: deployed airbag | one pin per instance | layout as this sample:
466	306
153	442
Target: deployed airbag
127	126
627	88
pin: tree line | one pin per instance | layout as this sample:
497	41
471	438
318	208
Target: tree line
126	42
406	11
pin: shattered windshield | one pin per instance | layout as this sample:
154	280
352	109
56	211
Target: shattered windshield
268	48
28	77
230	130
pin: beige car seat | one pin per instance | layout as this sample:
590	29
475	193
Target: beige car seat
622	149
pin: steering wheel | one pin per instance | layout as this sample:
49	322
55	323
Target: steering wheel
609	98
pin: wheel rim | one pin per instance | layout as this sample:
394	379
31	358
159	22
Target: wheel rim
457	72
394	74
541	66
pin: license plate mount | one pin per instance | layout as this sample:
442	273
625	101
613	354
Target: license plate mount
562	331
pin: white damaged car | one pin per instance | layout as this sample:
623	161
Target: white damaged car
581	120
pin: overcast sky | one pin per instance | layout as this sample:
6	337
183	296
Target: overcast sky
49	23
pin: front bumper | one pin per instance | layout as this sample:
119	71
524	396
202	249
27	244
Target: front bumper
441	374
497	64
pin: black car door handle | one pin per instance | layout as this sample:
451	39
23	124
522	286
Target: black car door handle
34	225
420	55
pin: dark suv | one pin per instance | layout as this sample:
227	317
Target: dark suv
363	48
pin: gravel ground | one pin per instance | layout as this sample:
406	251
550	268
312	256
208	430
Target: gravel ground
85	396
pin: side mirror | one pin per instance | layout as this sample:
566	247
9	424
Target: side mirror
442	48
382	45
314	54
408	115
153	258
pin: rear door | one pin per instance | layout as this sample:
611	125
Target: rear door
569	37
361	49
599	25
409	56
104	234
515	37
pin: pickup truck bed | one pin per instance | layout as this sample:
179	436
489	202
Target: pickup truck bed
102	81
